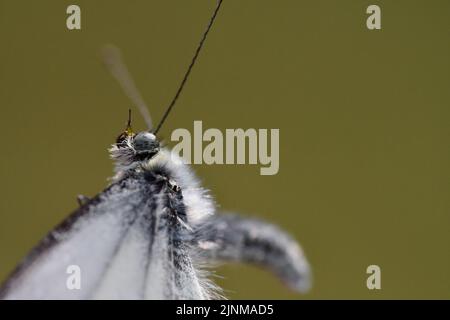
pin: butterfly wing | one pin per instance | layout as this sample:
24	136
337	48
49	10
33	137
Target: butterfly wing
126	243
229	237
132	241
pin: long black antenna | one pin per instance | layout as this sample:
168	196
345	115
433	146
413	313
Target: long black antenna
191	65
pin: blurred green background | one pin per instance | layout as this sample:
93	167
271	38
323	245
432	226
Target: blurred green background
363	118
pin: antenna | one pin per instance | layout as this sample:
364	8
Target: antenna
189	69
112	59
129	119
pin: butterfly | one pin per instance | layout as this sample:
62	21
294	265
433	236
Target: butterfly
152	231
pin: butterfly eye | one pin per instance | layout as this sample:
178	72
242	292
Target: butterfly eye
121	139
145	142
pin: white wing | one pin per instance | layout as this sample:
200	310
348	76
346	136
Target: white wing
230	238
127	243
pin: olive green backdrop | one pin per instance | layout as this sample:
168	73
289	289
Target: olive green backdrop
363	118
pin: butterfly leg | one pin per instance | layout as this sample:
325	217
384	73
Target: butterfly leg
231	238
82	200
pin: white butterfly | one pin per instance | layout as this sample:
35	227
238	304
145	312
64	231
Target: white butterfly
148	235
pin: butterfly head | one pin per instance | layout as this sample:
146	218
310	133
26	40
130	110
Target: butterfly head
143	144
133	147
